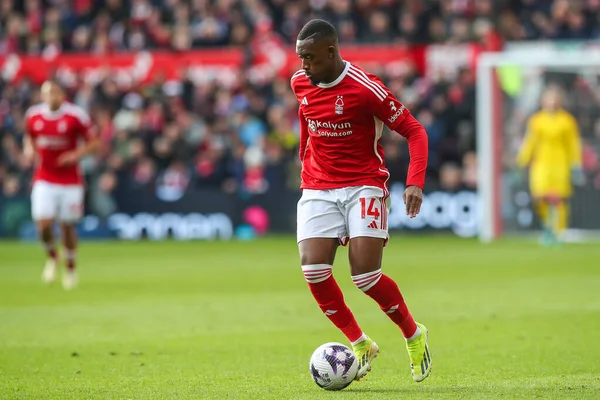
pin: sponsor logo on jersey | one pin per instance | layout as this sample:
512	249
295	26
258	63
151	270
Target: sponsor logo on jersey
397	114
393	105
316	124
331	129
304	101
339	105
51	142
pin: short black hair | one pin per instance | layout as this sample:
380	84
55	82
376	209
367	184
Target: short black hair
317	29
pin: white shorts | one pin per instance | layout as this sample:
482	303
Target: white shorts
343	213
58	202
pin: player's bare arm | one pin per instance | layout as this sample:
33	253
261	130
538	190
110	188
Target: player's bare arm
28	149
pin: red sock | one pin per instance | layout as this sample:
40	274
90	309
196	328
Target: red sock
70	256
385	292
330	299
51	251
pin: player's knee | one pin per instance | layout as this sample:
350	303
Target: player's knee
312	259
69	231
44	225
68	224
313	251
364	263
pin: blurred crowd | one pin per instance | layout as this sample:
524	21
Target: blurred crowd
243	138
101	26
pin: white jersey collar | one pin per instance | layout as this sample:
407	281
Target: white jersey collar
47	113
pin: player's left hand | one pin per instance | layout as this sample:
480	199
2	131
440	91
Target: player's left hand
68	158
413	198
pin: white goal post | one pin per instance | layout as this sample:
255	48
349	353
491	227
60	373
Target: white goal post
489	128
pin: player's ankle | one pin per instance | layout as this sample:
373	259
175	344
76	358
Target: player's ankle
51	251
361	339
414	335
70	256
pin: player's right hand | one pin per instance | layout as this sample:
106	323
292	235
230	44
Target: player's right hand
413	198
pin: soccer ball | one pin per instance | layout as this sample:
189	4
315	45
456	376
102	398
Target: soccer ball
333	366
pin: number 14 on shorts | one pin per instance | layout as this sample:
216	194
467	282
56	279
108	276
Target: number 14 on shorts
372	210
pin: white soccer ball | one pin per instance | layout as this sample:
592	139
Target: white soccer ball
333	366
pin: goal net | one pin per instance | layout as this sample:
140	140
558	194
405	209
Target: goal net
509	87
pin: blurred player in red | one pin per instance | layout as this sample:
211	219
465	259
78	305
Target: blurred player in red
54	131
344	179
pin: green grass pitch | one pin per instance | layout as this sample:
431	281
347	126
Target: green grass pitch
235	320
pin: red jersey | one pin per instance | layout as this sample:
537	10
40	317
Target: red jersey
341	124
54	133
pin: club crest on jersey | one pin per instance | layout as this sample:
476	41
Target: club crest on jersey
339	105
312	125
38	125
61	127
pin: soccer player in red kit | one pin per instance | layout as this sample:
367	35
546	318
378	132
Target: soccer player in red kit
344	180
54	130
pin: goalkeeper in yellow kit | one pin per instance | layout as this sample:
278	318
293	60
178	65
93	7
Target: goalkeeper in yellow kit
552	150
